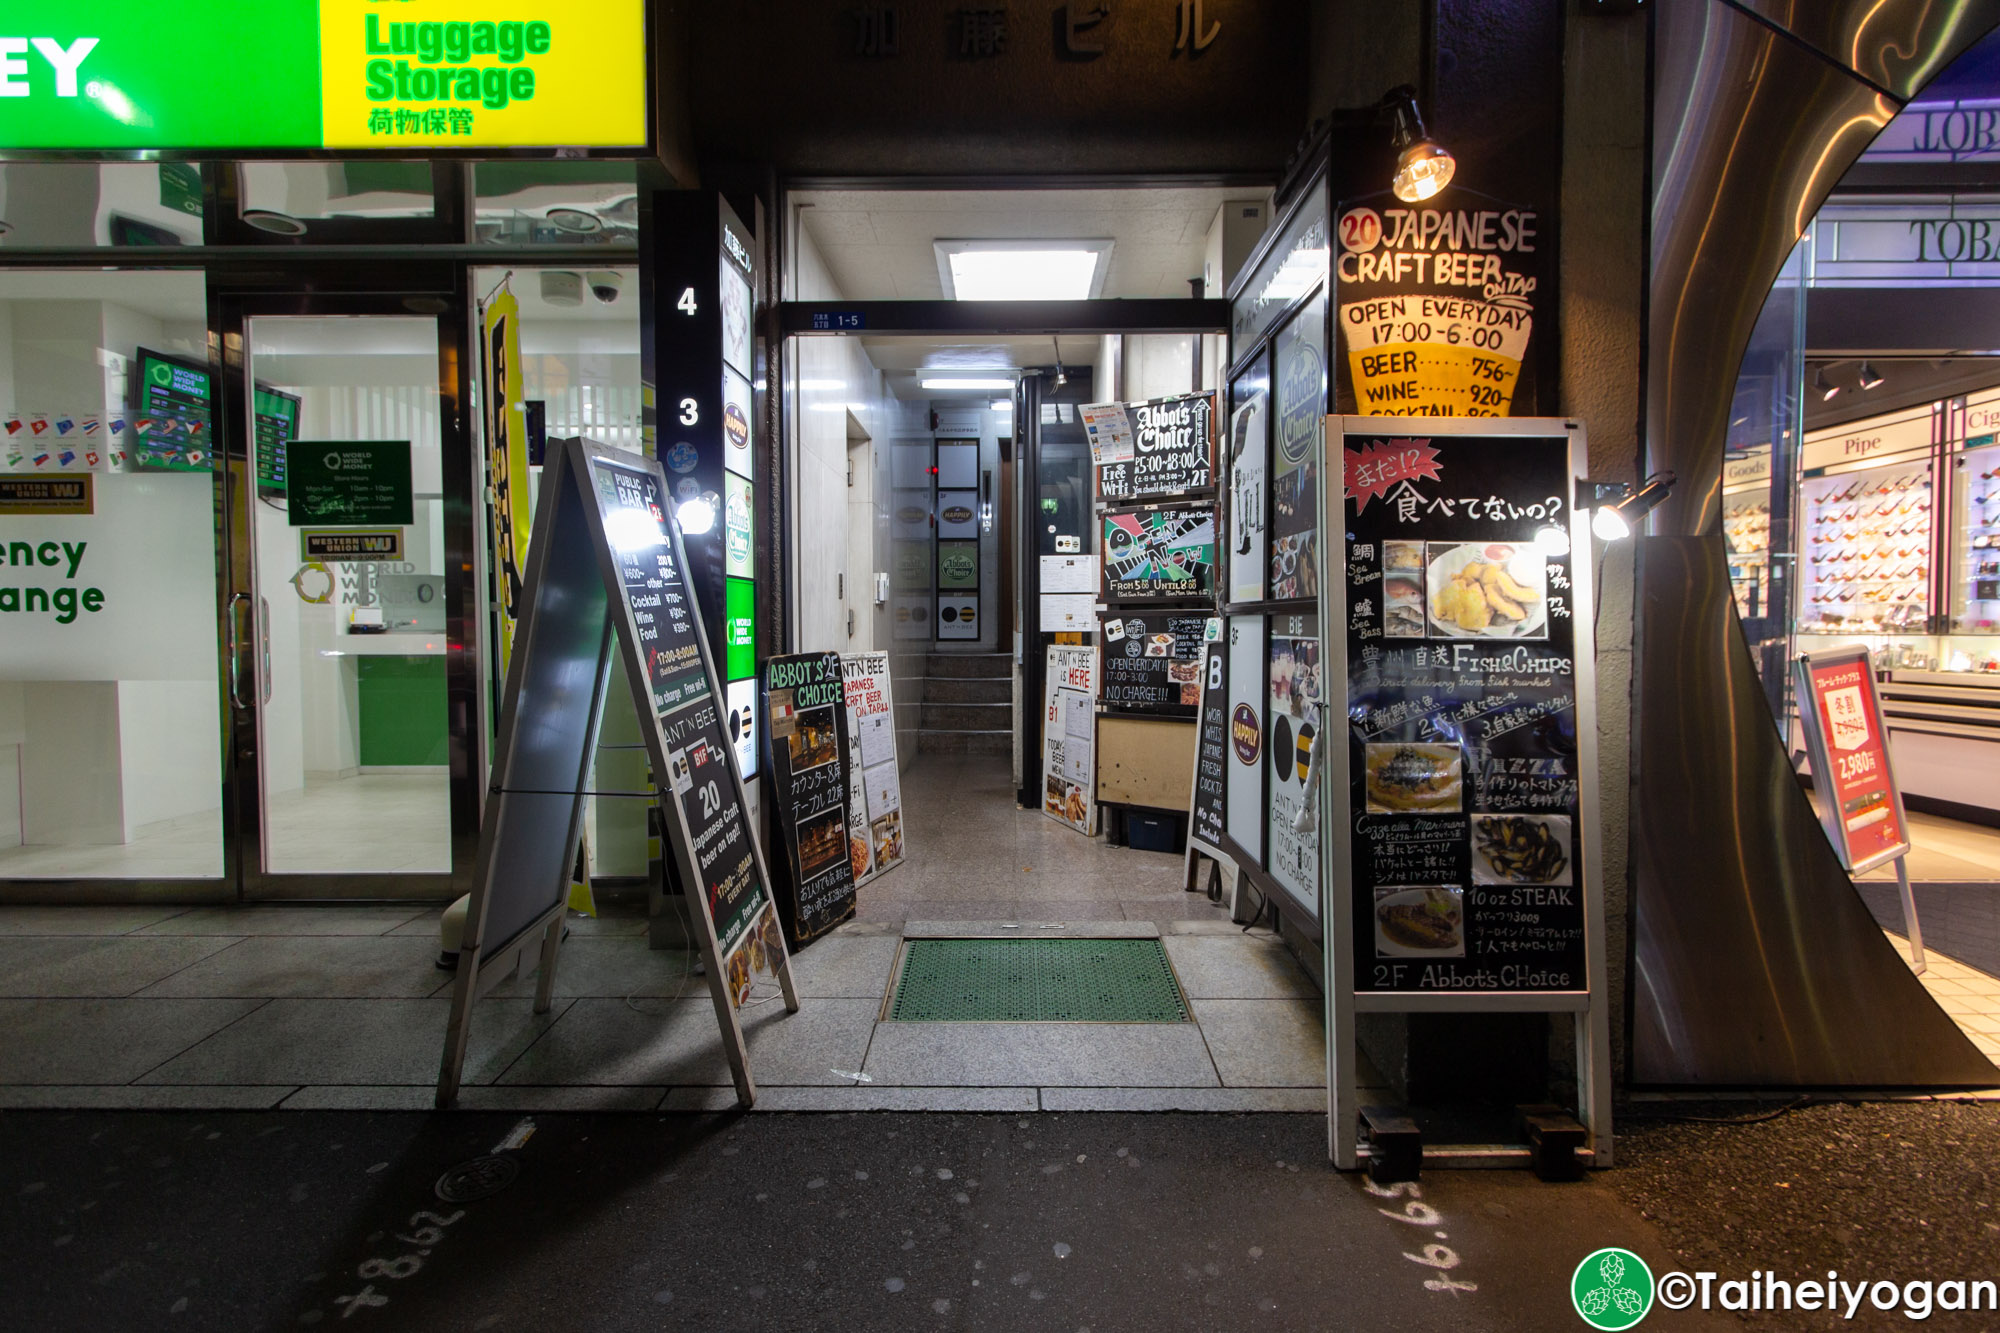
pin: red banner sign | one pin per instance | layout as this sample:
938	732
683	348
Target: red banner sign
1853	749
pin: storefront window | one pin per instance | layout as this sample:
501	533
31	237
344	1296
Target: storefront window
110	723
74	205
556	203
355	190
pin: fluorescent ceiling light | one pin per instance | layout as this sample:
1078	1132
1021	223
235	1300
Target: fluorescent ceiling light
1022	270
1004	405
967	383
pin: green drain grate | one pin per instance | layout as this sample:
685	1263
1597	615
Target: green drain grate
1038	980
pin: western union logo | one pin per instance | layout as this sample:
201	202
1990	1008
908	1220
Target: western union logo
350	544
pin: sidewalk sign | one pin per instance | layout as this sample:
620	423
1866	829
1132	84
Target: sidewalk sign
1861	806
805	717
606	567
874	786
1069	737
1462	815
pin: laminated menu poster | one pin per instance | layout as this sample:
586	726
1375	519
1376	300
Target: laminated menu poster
805	716
1298	430
1850	756
874	790
1297	692
1173	450
1069	738
1159	555
1211	754
1249	451
1437	305
1462	695
1152	662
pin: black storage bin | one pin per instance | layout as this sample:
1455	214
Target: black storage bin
1153	830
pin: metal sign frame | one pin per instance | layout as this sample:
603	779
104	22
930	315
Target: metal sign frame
1588	1008
1821	758
562	592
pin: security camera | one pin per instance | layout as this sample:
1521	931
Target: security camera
605	284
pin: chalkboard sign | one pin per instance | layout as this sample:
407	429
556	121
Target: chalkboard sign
1211	752
1462	696
1153	663
633	505
1173	450
1158	555
606	569
805	715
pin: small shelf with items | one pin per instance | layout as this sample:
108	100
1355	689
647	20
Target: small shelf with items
1866	544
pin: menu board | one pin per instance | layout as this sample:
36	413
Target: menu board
1863	810
171	414
1249	452
276	418
1173	450
1158	555
635	519
1298	428
805	721
1069	737
1211	752
698	776
1462	693
1437	304
874	788
1152	662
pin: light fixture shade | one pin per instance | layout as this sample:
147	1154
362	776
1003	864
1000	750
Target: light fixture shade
1823	386
1870	378
1610	525
1422	170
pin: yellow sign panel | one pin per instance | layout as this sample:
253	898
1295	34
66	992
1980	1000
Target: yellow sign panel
1428	355
464	74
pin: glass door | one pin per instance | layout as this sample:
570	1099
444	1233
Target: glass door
352	572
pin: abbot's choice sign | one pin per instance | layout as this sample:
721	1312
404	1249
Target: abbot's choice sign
408	77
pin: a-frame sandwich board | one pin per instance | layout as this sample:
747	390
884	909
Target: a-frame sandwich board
606	566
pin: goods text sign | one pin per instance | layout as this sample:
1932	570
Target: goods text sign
335	74
1850	751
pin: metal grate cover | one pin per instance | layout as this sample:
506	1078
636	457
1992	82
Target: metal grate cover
1037	980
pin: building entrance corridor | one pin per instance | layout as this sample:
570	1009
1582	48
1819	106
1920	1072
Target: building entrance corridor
330	1006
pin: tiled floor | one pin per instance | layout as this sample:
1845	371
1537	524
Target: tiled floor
342	1007
1970	996
370	823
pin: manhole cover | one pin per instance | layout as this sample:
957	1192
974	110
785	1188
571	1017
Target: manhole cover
1037	980
477	1179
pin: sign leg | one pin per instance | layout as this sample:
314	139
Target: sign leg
545	984
1915	931
458	1029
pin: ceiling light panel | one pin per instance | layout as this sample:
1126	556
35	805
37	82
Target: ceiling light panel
1038	270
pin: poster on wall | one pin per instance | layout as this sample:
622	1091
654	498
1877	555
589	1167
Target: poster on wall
1249	444
1152	662
1173	451
874	789
1158	555
739	560
1109	431
1246	685
1462	774
49	442
805	717
1863	807
738	451
1437	305
1294	706
1298	430
1069	738
741	725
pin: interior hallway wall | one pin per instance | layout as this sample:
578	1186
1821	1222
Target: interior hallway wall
839	396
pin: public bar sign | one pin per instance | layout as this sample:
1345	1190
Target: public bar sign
1863	808
1464	780
417	76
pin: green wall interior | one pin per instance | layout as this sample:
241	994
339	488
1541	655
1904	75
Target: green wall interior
402	711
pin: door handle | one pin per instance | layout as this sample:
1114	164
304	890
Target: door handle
263	650
237	601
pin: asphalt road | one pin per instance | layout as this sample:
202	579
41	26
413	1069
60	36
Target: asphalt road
1105	1222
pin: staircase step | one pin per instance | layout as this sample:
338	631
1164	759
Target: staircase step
966	717
965	742
968	690
984	666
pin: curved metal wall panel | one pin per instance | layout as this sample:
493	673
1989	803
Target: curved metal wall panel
1757	962
1750	133
1758	965
1897	45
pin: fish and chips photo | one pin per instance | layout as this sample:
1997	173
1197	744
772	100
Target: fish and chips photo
1487	591
1402	778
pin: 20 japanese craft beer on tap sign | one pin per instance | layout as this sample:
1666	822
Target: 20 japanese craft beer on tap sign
1437	306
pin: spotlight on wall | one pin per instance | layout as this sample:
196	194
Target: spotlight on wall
1869	378
696	515
1618	514
1061	378
1823	386
1422	167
